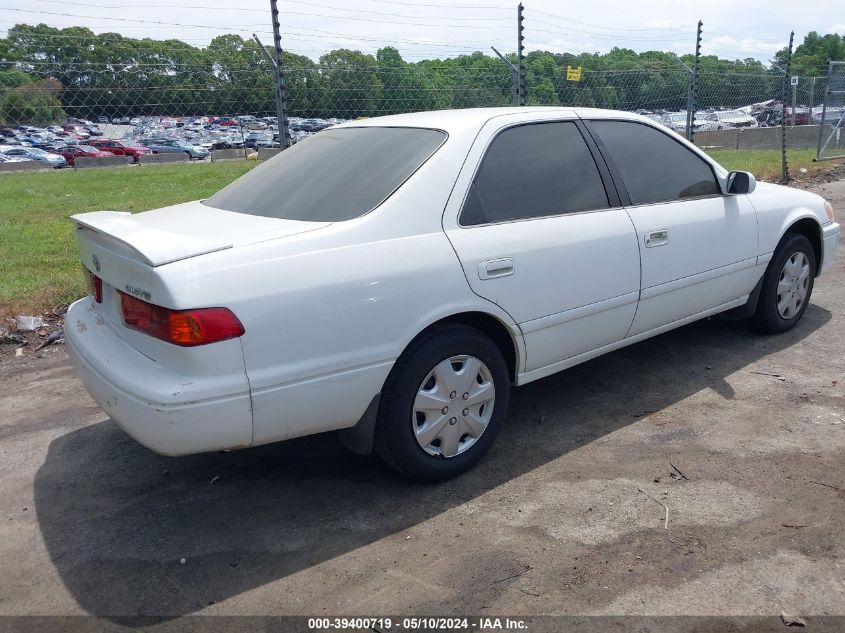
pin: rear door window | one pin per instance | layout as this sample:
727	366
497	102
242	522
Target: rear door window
534	170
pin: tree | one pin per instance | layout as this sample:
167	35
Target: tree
811	56
32	103
403	86
352	87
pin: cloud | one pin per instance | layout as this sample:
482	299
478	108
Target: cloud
730	46
681	25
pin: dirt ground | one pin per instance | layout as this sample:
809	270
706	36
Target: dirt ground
564	516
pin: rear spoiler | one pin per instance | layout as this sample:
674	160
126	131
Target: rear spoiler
153	246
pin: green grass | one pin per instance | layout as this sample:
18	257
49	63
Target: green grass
766	163
41	266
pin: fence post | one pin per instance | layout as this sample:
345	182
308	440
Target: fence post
520	58
812	98
689	106
514	76
281	97
272	63
692	105
784	161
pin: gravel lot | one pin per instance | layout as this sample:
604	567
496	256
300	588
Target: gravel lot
564	516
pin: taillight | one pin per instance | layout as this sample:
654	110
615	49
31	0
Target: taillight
180	327
95	286
98	289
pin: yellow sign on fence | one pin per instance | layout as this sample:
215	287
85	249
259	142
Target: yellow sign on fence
573	74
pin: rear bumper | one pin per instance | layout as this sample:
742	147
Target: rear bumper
162	410
830	242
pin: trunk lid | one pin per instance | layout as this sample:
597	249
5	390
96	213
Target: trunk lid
126	251
170	234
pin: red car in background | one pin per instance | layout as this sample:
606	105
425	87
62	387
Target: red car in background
72	152
120	148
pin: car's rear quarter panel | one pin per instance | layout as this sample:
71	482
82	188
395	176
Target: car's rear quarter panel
326	313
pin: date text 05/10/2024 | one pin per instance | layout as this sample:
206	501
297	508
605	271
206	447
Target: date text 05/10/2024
416	624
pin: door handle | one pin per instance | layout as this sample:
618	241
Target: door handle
493	268
656	238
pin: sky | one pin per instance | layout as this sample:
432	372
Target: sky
425	29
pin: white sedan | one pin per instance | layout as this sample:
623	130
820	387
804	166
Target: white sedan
728	119
393	277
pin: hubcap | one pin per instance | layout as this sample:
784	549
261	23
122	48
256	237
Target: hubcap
793	284
453	406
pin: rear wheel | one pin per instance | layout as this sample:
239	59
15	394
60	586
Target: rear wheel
443	404
787	285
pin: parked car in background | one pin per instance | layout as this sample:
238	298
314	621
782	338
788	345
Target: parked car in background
676	121
15	159
169	146
79	131
295	300
33	153
259	140
72	152
728	119
121	148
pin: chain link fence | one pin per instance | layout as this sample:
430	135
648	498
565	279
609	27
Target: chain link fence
832	121
222	96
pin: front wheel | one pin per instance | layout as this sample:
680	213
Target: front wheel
443	404
787	286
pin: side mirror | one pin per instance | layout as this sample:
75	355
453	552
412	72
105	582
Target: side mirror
740	182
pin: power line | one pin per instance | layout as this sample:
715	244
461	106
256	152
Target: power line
401	15
599	26
445	6
232	27
605	36
307	37
379	21
94	17
313	4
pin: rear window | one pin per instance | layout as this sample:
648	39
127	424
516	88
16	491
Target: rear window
332	176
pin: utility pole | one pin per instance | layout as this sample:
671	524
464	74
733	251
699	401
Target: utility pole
281	97
784	162
695	75
520	58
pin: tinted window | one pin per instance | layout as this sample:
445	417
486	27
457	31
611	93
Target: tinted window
332	176
654	166
532	171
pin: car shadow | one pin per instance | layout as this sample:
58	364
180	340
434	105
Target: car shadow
117	519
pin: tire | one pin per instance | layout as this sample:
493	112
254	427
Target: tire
400	421
768	317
